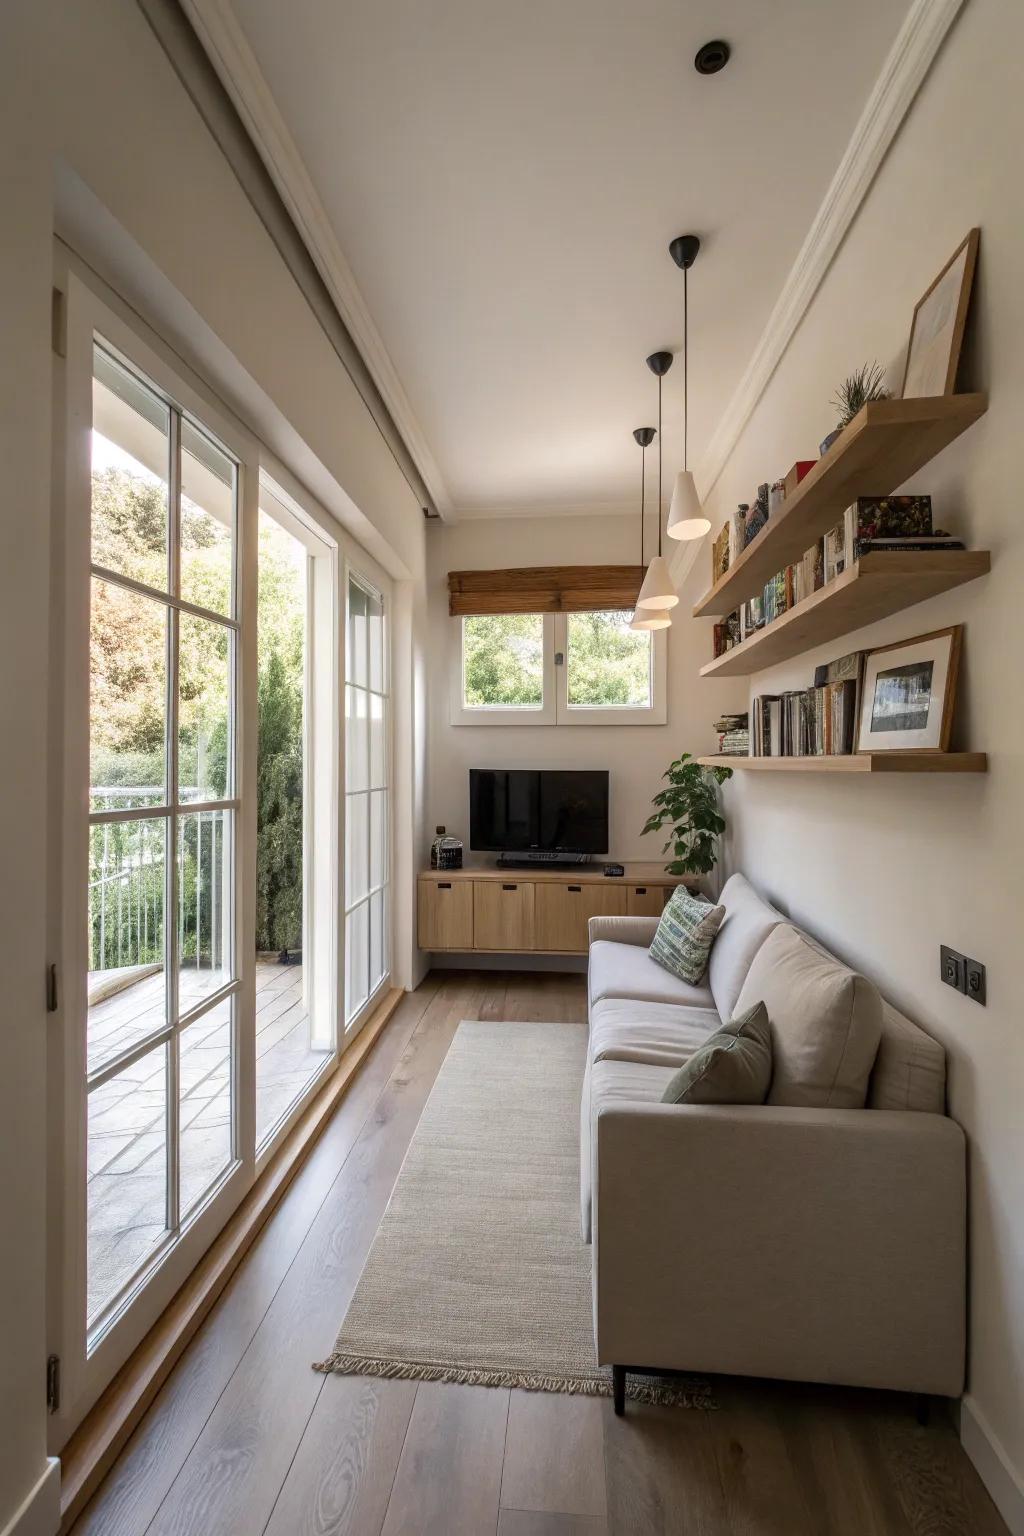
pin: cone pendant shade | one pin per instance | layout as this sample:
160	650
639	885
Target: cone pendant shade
657	590
686	518
650	618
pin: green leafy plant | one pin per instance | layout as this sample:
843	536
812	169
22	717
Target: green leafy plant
867	383
690	808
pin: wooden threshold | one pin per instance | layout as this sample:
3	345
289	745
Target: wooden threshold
102	1434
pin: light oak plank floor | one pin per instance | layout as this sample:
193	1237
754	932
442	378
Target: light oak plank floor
245	1438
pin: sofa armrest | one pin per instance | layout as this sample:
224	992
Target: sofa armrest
808	1244
623	930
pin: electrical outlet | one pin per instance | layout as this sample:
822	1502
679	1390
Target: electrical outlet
952	968
974	980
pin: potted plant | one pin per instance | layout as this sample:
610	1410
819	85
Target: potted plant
867	383
690	808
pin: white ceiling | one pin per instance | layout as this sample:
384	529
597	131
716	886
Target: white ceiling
504	180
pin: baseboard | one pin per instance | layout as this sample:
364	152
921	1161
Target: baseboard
992	1464
95	1444
39	1514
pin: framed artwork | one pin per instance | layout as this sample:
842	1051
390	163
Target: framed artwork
908	694
937	330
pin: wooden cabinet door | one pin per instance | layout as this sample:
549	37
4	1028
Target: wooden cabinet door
445	914
563	912
503	914
646	900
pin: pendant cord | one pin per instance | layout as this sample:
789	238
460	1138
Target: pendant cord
643	482
686	355
659	465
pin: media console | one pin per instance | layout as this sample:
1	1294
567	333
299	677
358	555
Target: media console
542	911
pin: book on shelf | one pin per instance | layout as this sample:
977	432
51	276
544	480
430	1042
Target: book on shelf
820	721
906	546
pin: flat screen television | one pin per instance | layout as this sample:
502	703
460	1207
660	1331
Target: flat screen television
538	810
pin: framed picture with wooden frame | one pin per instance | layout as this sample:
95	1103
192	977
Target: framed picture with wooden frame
909	692
937	329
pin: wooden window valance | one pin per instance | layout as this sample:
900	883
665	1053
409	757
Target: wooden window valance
544	589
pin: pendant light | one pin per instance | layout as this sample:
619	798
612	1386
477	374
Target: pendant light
657	591
686	518
646	618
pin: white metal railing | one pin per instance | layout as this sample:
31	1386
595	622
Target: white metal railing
127	883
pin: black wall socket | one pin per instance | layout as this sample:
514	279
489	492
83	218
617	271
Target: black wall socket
963	973
952	967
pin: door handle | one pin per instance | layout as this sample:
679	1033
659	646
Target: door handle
575	887
444	885
510	887
641	890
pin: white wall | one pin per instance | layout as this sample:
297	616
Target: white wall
87	89
887	869
636	756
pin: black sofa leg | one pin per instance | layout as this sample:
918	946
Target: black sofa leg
619	1388
923	1408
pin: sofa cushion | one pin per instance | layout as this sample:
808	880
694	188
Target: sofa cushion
660	1034
910	1068
747	923
733	1066
685	934
627	970
826	1022
611	1082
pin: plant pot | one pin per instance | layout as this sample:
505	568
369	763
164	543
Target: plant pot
826	442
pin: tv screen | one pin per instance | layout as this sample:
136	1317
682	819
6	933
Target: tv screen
521	810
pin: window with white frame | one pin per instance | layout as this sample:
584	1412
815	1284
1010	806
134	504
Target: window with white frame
586	668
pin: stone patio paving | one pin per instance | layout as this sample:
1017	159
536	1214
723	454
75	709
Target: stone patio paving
127	1116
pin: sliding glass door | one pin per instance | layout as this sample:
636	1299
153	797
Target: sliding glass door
367	800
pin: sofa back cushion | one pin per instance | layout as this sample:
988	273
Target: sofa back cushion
826	1022
910	1068
747	923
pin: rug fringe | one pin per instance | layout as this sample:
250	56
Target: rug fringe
639	1389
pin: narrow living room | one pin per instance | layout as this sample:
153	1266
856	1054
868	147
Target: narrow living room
510	584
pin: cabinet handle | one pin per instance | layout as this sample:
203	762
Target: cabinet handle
641	890
575	887
510	887
444	885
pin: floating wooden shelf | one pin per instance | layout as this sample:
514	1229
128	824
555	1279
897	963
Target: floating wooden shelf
885	443
859	762
871	588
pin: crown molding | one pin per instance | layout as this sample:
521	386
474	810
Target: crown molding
228	50
919	39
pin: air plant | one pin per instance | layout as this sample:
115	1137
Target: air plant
867	383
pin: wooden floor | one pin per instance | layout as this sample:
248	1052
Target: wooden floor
245	1438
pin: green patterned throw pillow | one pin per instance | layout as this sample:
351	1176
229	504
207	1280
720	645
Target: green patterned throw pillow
733	1066
685	935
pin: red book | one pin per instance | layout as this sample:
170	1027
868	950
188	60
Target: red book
796	474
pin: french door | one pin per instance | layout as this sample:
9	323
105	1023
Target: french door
221	878
152	1082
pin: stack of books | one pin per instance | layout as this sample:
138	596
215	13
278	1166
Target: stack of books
733	735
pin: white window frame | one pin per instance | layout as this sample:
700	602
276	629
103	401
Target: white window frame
555	708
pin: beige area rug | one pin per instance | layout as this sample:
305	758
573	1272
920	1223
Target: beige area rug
478	1273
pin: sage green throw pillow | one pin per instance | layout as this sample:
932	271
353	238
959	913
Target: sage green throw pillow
733	1066
685	935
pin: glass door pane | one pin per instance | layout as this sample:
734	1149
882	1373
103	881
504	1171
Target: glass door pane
162	977
367	910
292	1044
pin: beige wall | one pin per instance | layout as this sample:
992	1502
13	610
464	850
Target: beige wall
88	89
887	869
636	756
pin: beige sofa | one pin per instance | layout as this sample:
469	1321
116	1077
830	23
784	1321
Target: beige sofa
796	1240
